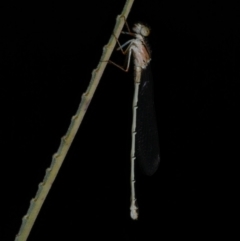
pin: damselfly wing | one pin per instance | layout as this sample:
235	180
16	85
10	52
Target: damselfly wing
147	143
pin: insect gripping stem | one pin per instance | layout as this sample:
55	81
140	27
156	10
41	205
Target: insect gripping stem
138	48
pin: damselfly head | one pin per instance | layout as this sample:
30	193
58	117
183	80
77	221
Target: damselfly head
141	29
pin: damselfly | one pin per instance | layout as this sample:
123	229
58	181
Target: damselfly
145	144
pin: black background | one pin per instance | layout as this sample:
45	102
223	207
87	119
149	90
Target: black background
47	54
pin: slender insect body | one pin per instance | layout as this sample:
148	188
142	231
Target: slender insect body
141	128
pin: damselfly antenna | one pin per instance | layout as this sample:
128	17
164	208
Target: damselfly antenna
145	144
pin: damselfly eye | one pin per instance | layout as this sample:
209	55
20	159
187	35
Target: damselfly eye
145	31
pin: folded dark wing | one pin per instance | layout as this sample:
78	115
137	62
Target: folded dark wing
147	143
